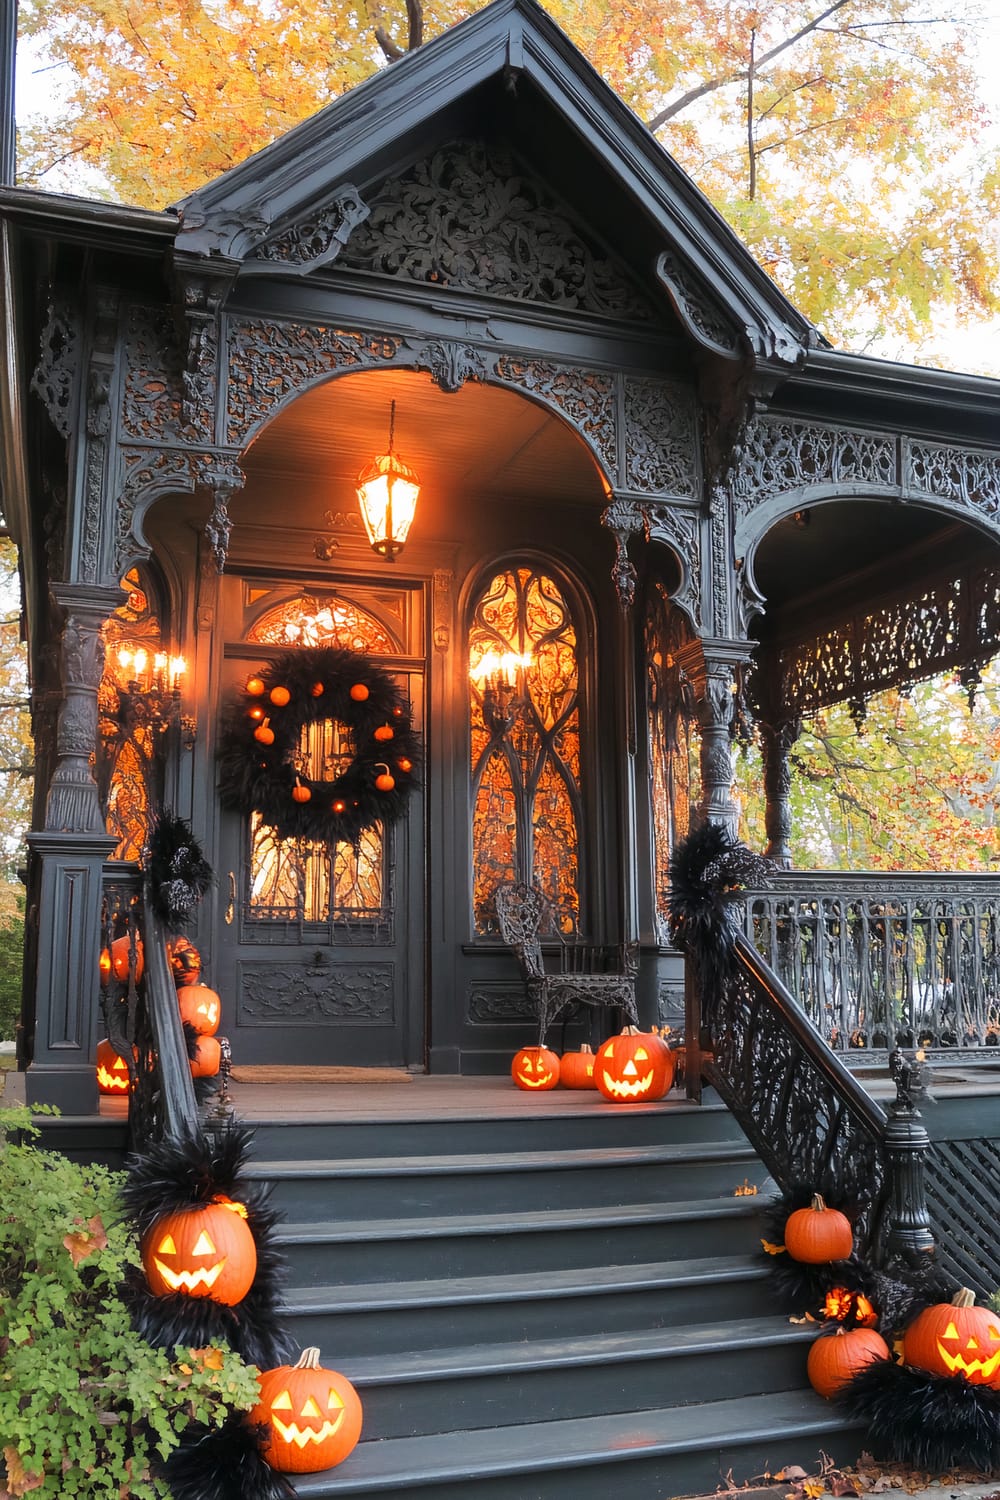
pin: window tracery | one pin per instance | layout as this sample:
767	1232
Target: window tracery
673	740
129	773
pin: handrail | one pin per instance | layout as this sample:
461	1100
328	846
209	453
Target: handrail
178	1106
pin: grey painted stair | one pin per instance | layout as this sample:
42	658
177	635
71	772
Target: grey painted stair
568	1308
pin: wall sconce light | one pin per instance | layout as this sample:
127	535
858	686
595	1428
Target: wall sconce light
387	491
498	676
149	695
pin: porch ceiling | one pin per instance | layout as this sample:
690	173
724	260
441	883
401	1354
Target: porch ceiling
479	443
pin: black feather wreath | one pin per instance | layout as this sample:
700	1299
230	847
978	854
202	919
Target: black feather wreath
179	875
708	872
259	777
931	1422
224	1463
173	1175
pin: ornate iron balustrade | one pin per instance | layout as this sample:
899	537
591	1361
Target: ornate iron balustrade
139	1003
879	962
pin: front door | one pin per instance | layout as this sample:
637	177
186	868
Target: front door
321	947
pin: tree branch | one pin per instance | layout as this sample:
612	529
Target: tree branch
712	84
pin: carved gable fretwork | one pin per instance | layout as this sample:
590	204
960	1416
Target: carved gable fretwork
472	219
318	238
55	374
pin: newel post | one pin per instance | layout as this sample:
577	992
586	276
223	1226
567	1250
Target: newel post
907	1143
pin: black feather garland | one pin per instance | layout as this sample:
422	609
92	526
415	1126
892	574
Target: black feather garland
931	1422
224	1463
179	875
312	686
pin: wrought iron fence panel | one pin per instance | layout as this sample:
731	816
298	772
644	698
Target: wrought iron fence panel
878	963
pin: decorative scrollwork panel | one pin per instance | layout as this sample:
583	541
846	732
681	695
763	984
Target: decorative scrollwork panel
778	455
291	994
660	438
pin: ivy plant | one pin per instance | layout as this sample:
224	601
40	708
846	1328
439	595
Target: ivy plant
87	1407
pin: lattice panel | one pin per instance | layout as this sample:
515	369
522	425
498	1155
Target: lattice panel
963	1188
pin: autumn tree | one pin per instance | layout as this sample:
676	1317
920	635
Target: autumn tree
16	770
844	140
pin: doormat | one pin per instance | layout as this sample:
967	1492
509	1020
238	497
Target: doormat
268	1073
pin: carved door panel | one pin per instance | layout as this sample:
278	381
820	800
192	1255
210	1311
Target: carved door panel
321	949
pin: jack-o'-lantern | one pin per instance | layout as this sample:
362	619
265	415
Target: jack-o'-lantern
956	1338
634	1067
844	1305
313	1415
817	1234
112	1070
836	1357
576	1069
535	1068
120	957
206	1251
207	1057
185	962
201	1008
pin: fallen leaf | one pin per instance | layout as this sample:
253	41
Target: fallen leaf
770	1249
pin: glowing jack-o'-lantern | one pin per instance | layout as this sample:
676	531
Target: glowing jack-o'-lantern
313	1415
122	956
634	1067
185	962
112	1070
835	1358
956	1338
201	1008
206	1251
843	1305
817	1234
535	1068
576	1069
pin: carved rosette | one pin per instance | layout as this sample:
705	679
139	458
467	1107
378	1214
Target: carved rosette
471	219
54	378
586	399
270	361
660	438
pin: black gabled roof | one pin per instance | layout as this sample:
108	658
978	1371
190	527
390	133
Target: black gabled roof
515	43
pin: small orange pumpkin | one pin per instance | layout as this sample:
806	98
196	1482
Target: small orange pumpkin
359	692
201	1008
535	1068
112	1070
384	732
207	1057
264	733
280	696
835	1357
576	1069
205	1251
634	1067
956	1338
301	792
384	781
313	1415
255	686
317	690
404	764
817	1234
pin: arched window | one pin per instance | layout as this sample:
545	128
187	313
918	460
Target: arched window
525	731
673	737
129	772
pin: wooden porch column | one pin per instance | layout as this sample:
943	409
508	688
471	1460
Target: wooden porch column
69	855
711	668
776	741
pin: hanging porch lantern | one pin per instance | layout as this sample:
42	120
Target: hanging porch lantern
387	492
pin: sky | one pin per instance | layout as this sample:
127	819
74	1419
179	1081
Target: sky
969	348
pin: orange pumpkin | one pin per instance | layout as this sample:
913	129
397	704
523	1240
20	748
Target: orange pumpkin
535	1068
956	1338
207	1057
384	732
384	781
112	1070
835	1357
255	686
576	1069
118	958
313	1415
317	690
634	1067
404	764
359	692
265	734
185	962
201	1008
817	1234
205	1251
301	792
279	696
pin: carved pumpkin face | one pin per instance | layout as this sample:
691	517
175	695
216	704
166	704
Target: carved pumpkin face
112	1070
844	1305
956	1338
117	960
535	1068
576	1069
200	1008
207	1251
313	1415
185	962
634	1068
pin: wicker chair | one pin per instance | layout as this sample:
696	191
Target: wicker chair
588	974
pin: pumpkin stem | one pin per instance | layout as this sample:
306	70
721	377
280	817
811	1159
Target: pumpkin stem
964	1297
308	1359
586	1047
630	1031
818	1204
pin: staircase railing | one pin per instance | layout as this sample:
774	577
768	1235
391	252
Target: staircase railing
139	1002
880	962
